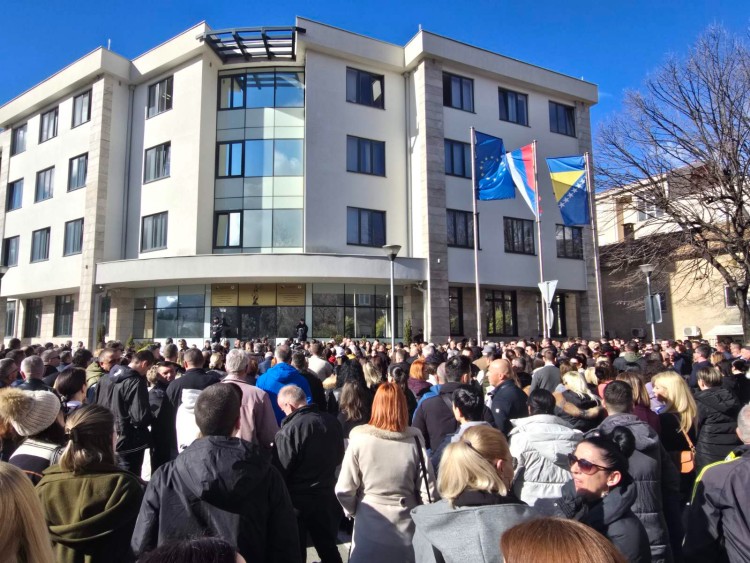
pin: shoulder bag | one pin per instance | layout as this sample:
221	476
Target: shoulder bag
423	470
685	460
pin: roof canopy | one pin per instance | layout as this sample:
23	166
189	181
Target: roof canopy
254	43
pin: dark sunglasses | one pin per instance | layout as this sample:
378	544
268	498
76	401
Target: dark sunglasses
586	467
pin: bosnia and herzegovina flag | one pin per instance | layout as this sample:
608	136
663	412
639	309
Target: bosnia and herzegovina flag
521	165
493	179
568	175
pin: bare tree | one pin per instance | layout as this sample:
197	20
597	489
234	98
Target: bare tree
679	152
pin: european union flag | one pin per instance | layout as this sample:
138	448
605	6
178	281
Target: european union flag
568	174
493	179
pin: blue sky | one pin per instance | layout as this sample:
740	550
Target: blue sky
613	43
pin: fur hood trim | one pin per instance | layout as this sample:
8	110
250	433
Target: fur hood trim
369	430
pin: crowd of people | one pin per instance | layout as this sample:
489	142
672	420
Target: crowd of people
601	450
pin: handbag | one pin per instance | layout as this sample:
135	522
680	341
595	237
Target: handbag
685	460
423	468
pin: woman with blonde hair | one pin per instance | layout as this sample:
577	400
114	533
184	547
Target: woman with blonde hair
90	505
385	473
678	432
373	378
475	479
23	535
578	394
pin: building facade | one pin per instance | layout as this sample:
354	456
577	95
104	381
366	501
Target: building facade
254	175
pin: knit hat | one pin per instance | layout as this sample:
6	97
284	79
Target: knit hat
29	412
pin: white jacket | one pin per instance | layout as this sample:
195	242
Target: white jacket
187	429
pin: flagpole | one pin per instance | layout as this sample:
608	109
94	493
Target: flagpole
539	238
595	238
476	238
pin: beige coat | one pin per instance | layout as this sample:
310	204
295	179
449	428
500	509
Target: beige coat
257	419
380	482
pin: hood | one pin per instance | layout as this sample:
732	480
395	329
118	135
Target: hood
282	373
551	436
123	373
718	399
111	502
189	398
94	372
223	471
645	436
612	507
630	357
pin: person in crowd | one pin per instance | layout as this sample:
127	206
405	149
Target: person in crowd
198	550
257	419
475	486
601	493
718	523
355	403
171	355
23	535
373	377
716	423
641	400
301	330
8	372
557	540
82	358
507	400
266	364
32	371
417	382
107	360
318	394
309	449
90	505
400	378
701	360
655	476
162	416
186	429
540	444
280	375
195	377
630	358
71	386
678	432
36	417
51	361
220	486
547	377
384	475
126	395
578	395
318	364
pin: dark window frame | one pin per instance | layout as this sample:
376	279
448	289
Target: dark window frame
38	199
65	238
143	249
73	123
450	164
504	96
14	139
48	230
452	217
242	159
360	210
34	306
504	297
154	106
730	300
11	190
357	97
372	144
509	243
568	236
448	92
557	107
216	225
6	251
459	299
62	324
56	112
11	309
85	156
242	79
168	146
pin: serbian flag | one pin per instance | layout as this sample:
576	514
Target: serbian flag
568	174
521	166
493	181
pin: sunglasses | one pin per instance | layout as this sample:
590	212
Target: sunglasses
586	467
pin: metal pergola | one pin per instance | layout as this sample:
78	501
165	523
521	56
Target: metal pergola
254	43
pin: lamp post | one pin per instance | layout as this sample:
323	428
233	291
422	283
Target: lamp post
391	251
647	269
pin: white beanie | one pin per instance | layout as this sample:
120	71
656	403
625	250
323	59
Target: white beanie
29	412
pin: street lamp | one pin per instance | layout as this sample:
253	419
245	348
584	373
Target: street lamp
391	251
647	269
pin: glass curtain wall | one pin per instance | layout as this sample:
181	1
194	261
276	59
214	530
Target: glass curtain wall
356	311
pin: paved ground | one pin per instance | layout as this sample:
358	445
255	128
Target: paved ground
344	542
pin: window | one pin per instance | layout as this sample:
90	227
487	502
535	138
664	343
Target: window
44	180
513	106
18	140
456	310
77	172
647	210
156	166
232	92
562	119
458	92
81	108
33	318
365	156
10	318
14	196
73	237
355	310
48	126
281	89
730	299
154	232
229	159
10	251
569	242
460	228
63	316
364	88
662	300
365	227
228	229
559	325
40	245
457	159
160	97
500	313
628	231
519	235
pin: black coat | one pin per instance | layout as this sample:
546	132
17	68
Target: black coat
127	397
583	403
717	425
163	435
194	378
223	487
508	402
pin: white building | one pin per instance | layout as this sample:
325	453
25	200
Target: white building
255	174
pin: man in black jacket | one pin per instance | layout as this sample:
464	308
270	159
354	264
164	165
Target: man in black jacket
309	447
195	377
127	398
508	400
220	486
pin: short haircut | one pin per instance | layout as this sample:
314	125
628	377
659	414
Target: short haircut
711	376
739	365
144	356
468	400
456	367
618	396
33	367
217	410
293	394
106	354
170	351
315	348
6	367
704	350
236	362
549	356
299	361
541	401
283	353
193	357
